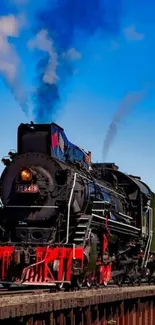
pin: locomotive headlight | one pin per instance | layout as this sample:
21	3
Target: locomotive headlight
26	175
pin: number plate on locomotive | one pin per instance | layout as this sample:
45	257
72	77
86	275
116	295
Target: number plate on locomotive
27	188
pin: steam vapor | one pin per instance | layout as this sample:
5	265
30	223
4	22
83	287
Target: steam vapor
126	105
59	28
10	27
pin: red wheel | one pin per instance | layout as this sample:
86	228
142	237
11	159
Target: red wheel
80	281
61	284
97	279
90	280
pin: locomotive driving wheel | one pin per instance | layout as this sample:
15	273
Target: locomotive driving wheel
120	280
80	281
90	280
61	284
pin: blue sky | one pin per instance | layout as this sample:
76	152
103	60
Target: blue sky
109	69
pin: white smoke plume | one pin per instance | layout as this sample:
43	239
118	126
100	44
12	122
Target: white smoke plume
10	65
128	103
72	55
43	43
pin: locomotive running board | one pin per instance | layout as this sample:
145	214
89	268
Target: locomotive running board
32	206
52	284
20	284
121	224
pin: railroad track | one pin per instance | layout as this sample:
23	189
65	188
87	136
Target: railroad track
62	307
18	291
21	292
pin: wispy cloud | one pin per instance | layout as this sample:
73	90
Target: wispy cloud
131	34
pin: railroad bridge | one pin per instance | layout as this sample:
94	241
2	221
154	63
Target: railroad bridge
106	306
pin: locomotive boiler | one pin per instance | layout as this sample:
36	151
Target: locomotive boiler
66	220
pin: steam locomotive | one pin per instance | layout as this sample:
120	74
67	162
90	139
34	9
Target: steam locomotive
65	221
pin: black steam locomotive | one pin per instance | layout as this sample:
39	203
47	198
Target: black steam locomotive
66	220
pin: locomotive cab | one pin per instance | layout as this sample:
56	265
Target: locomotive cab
50	139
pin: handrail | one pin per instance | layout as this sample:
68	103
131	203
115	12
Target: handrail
69	207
